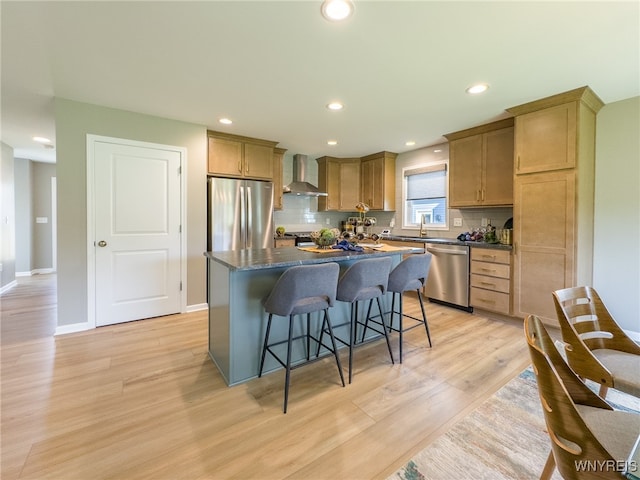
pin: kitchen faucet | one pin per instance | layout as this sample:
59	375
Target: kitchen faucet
423	226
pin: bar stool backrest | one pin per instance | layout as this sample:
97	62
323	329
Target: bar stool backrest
304	289
410	274
364	280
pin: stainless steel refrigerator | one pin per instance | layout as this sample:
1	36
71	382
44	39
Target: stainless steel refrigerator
240	214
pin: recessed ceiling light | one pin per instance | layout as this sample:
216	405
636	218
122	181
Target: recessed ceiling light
479	88
410	143
332	142
335	106
336	10
226	121
437	150
41	140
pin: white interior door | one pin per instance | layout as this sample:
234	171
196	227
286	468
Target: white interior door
137	242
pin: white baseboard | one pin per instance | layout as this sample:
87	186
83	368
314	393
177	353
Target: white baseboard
198	307
73	328
36	271
8	287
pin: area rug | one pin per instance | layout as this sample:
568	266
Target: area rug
504	438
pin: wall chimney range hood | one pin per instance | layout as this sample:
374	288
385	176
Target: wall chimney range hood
300	186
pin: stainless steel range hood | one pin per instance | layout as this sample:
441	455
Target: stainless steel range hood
300	186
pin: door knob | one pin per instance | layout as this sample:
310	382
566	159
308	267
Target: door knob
102	243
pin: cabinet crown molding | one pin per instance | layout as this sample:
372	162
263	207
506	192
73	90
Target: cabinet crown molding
383	154
241	138
583	94
487	127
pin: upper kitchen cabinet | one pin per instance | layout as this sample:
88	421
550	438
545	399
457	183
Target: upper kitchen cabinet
378	181
481	165
340	178
553	198
240	157
278	155
557	120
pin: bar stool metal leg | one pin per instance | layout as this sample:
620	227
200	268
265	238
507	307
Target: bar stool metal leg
288	368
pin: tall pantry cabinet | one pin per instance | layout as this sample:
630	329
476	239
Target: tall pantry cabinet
553	198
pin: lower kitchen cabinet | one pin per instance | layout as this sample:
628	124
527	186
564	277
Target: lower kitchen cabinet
491	279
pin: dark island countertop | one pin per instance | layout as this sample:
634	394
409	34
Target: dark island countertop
289	256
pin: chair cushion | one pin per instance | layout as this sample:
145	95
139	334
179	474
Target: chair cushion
625	368
310	304
616	431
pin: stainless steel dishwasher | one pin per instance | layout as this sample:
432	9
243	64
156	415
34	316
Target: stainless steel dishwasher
448	280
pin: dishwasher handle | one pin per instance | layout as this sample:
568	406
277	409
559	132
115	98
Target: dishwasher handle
448	252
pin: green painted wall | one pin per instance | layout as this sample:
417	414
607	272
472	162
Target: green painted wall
74	120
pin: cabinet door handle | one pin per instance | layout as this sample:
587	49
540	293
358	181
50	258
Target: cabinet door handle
485	300
487	270
246	166
240	165
483	194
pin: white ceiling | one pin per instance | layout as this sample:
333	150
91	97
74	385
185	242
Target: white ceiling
400	68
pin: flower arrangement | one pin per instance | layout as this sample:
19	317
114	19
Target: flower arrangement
362	208
326	237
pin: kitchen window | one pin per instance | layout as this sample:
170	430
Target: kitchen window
425	196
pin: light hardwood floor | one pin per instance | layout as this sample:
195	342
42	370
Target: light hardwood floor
143	400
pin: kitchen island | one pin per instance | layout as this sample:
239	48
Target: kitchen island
238	281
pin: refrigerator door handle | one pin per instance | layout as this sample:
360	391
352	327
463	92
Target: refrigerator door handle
243	218
249	219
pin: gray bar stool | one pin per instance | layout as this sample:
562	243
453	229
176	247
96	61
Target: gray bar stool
410	274
302	289
364	280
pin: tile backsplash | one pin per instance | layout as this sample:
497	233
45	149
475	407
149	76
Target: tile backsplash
471	219
300	214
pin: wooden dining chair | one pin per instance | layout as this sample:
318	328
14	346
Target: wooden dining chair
589	439
597	348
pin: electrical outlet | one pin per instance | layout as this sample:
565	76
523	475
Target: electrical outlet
328	221
457	222
483	223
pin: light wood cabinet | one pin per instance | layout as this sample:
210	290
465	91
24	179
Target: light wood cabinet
240	157
558	127
491	279
278	155
377	181
553	199
340	178
481	165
